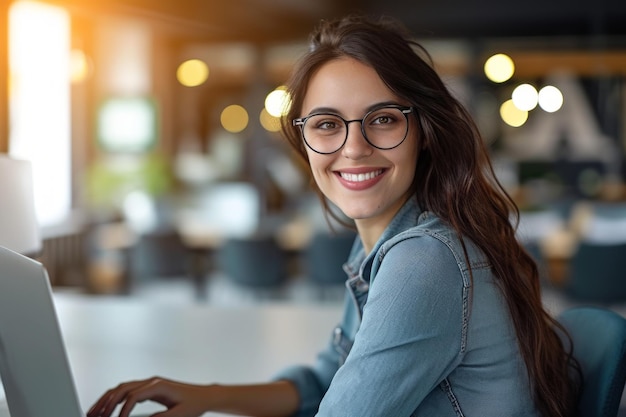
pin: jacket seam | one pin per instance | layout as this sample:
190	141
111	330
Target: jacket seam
446	387
462	269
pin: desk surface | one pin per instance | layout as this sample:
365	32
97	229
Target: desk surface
111	340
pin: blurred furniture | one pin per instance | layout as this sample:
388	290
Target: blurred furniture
19	230
544	234
599	345
157	250
596	273
211	216
257	263
65	253
324	258
109	244
601	222
158	254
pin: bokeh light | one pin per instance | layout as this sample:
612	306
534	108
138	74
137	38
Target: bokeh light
499	68
234	118
269	122
277	102
550	99
525	97
80	66
511	115
192	73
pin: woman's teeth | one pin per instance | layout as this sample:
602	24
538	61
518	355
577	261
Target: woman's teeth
360	177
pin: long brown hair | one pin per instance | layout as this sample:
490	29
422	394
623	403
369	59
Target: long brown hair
454	179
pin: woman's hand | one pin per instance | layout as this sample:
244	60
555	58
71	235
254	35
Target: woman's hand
181	400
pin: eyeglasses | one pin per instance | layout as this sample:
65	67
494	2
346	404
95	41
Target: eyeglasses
383	128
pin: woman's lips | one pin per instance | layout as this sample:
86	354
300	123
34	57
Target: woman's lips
360	180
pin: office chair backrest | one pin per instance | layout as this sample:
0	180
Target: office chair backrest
325	256
596	273
599	340
255	262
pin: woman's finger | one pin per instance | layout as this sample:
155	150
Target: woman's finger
155	389
105	406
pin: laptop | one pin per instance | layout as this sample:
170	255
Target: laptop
34	366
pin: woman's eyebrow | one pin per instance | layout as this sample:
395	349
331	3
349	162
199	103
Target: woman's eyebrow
382	104
371	107
324	110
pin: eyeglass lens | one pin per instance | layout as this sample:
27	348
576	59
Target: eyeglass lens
383	128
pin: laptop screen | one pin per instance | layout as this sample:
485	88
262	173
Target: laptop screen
33	363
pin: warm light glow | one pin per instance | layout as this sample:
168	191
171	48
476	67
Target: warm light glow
550	99
234	118
525	97
499	68
80	67
123	49
277	102
192	73
39	105
269	122
511	115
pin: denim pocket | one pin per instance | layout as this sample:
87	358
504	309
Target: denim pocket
342	344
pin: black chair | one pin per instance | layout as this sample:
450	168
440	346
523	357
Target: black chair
324	258
597	273
159	254
258	264
599	343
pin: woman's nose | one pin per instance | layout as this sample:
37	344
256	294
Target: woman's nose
356	145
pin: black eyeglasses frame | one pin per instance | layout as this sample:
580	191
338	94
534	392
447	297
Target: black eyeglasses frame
406	110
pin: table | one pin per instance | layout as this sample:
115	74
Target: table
114	339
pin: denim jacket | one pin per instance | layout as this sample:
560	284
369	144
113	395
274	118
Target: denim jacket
419	337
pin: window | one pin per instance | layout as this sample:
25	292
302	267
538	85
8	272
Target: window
39	103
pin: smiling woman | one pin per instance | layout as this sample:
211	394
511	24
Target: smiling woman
443	313
435	187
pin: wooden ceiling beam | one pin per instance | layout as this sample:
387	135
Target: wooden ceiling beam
536	64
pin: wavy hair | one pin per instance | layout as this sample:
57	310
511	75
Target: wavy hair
455	180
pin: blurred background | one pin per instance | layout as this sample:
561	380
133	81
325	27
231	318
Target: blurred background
152	129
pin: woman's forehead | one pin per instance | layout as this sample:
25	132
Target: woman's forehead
345	84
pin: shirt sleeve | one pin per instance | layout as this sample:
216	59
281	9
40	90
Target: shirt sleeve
411	335
312	382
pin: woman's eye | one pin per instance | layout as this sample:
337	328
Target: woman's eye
327	125
381	120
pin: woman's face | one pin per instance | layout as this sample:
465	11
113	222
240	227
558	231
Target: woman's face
368	184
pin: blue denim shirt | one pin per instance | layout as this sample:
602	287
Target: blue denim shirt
418	337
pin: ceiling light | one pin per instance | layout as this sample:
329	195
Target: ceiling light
499	68
550	98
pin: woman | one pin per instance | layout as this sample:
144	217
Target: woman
443	315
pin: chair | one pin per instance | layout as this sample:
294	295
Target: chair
159	253
324	258
256	263
599	345
596	273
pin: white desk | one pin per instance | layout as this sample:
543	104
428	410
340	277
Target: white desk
114	340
